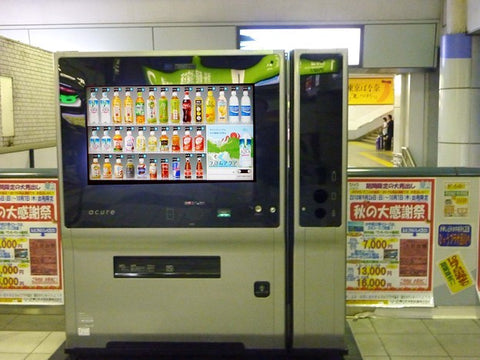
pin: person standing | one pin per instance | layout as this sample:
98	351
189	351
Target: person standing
389	136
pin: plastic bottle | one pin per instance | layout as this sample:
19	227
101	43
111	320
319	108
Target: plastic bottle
164	168
233	108
152	143
105	109
141	169
118	169
106	142
222	107
94	142
141	142
187	141
245	151
187	171
199	169
129	142
210	108
175	141
151	109
116	108
245	108
198	108
130	169
199	142
93	109
187	108
107	169
95	172
164	146
175	108
117	141
128	108
152	169
163	108
140	109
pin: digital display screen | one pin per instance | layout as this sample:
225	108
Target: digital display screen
174	133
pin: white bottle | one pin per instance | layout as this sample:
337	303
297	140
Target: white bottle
129	142
152	143
141	142
94	142
105	109
245	108
118	169
233	109
222	107
95	171
245	160
106	142
141	169
93	109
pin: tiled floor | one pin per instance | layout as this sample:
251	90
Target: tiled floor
38	337
416	339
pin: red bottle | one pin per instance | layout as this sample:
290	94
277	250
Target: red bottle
199	142
188	169
187	108
199	169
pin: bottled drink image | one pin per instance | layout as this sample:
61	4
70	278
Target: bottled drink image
129	142
246	108
222	107
187	141
187	173
93	109
199	169
141	142
199	142
117	141
107	169
106	142
175	108
116	108
164	143
151	109
130	169
140	109
152	170
233	108
210	108
187	108
198	108
175	168
163	108
94	142
152	143
128	108
164	169
95	172
245	151
175	141
105	116
118	169
141	169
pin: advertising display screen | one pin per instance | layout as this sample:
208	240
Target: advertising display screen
170	140
170	133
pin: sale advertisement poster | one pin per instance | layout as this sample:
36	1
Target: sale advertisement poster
30	245
389	242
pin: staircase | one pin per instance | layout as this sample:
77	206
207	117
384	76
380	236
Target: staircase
371	137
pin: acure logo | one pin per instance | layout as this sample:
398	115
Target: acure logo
101	212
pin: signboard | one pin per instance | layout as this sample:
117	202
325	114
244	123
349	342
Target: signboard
389	242
30	248
370	91
455	273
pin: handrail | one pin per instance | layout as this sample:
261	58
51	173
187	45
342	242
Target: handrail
407	157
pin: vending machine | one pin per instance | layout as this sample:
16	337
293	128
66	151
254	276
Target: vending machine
317	199
173	187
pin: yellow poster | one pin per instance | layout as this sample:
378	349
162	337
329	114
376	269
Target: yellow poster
455	273
370	91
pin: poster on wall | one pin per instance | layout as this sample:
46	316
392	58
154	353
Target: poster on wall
30	245
389	242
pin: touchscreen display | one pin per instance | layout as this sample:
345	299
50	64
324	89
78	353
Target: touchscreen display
174	133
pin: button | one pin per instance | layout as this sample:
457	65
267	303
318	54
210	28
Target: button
261	288
320	196
320	213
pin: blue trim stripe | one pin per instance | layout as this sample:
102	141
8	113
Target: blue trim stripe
456	46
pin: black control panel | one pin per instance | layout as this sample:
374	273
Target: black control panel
321	136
